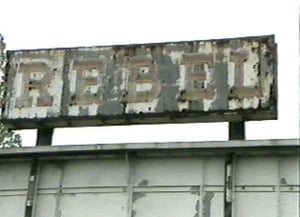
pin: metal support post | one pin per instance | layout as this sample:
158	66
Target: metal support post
31	190
44	137
237	130
228	186
130	160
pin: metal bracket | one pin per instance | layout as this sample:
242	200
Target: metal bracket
228	186
44	137
31	190
237	130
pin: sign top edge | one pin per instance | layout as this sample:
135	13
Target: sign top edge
271	37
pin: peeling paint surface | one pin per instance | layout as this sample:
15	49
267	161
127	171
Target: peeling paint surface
207	204
193	78
152	182
36	78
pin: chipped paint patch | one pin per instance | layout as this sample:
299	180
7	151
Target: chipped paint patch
176	56
142	107
137	195
207	203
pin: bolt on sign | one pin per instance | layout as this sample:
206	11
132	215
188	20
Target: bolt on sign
193	81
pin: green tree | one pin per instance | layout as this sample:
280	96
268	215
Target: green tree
8	138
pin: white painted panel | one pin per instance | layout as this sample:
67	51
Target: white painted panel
94	205
108	172
169	171
178	204
256	204
289	204
163	187
256	170
45	206
289	170
217	206
214	171
50	173
14	175
12	206
166	204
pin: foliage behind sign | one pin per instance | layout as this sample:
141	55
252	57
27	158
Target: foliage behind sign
8	138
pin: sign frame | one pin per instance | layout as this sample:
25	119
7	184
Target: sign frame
141	91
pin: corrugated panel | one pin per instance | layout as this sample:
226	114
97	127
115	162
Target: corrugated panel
134	186
167	188
268	186
12	205
13	187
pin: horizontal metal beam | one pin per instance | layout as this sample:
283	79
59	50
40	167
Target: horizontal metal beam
120	120
238	146
152	189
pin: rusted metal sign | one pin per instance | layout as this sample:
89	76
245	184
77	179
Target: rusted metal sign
196	81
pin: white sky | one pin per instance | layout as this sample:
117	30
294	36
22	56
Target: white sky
57	23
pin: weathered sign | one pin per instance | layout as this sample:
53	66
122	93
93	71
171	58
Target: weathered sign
195	81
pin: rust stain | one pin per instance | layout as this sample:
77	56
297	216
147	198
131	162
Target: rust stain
138	195
143	183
